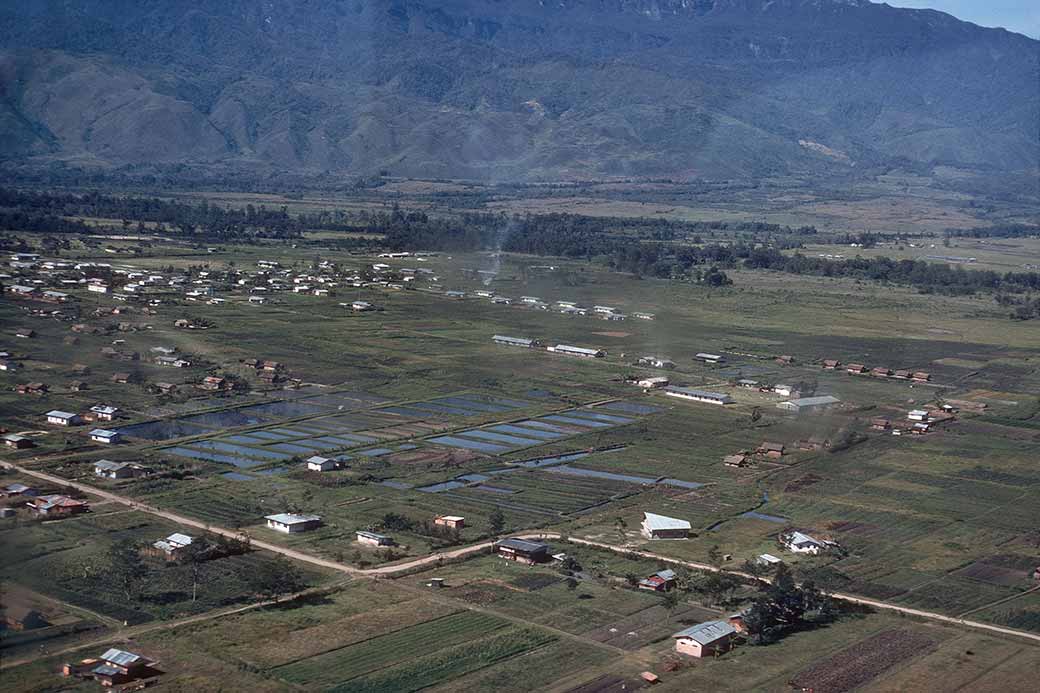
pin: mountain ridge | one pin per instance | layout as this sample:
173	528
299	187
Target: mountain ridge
511	91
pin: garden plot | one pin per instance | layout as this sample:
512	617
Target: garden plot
863	662
648	625
414	643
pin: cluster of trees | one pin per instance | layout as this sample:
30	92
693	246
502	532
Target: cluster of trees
999	231
926	276
784	607
1022	307
50	212
124	567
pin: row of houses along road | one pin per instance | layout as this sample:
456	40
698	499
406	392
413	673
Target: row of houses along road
389	570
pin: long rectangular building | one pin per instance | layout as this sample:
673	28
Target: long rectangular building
578	351
698	395
515	341
809	403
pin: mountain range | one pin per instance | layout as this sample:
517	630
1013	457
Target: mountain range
503	90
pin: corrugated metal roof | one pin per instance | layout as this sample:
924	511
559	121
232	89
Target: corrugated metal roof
120	657
291	519
522	545
654	521
707	632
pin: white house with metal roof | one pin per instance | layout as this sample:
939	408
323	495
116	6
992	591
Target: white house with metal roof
317	463
797	542
103	435
656	526
63	418
291	523
705	639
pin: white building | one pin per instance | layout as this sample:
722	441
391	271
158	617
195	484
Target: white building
917	415
290	523
103	435
656	526
317	463
797	542
582	352
698	395
63	418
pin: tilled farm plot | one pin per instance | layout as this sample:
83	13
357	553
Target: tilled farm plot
647	626
863	662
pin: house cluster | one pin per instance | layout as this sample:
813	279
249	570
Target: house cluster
609	313
99	412
879	371
114	667
267	370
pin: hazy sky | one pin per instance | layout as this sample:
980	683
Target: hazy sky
1022	16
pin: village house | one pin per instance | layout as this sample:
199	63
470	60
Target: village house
9	366
656	526
213	383
291	523
772	450
831	364
450	521
643	316
784	390
373	539
104	412
921	376
705	357
661	581
118	470
918	415
17	489
317	463
165	388
881	372
747	383
736	460
785	360
63	418
705	639
123	378
32	389
768	559
902	374
652	383
77	386
855	369
655	362
880	424
797	542
115	667
172	547
57	505
522	550
103	435
13	440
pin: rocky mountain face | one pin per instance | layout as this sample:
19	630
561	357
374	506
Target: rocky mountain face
512	89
